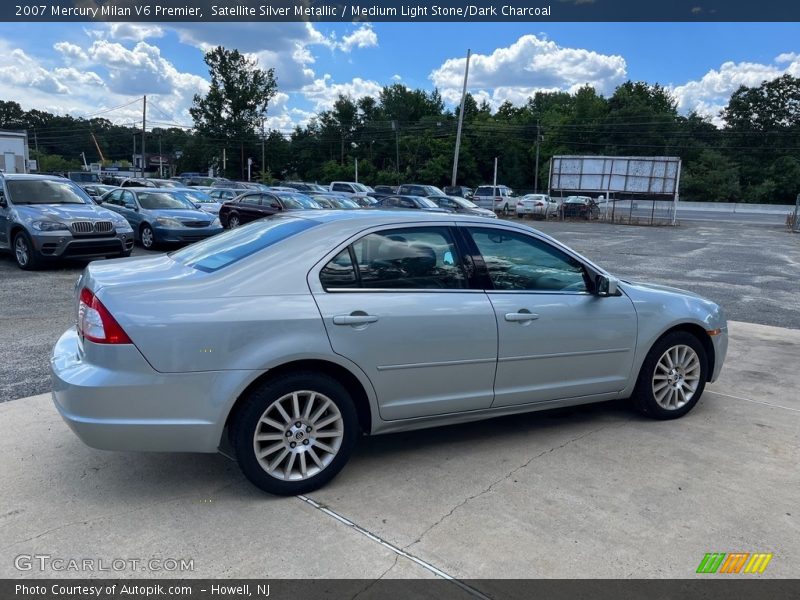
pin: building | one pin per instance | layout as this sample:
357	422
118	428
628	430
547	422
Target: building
14	151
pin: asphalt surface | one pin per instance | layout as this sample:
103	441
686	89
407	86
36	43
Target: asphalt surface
752	270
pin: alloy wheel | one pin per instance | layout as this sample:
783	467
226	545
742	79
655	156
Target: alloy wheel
676	377
21	251
298	435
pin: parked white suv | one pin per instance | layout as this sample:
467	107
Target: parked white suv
499	198
350	187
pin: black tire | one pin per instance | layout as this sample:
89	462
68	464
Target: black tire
248	418
644	395
25	255
147	237
234	221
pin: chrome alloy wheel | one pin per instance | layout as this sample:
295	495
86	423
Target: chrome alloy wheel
298	435
676	377
21	251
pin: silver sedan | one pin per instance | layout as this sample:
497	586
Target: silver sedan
293	335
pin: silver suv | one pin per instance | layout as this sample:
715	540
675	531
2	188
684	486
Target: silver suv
45	217
499	198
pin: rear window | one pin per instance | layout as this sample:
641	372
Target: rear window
484	191
232	246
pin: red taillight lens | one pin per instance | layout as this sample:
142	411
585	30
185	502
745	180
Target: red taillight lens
96	324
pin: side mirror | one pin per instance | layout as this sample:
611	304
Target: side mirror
606	286
3	202
197	205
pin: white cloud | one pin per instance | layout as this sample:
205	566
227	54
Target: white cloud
136	32
363	37
710	94
528	65
324	92
70	52
23	72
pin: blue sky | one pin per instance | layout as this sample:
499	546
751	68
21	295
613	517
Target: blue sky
86	68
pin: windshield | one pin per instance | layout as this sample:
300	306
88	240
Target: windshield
227	248
463	202
434	191
197	196
45	191
298	201
164	201
427	203
360	188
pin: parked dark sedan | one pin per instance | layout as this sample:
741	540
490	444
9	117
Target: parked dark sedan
579	206
255	205
409	202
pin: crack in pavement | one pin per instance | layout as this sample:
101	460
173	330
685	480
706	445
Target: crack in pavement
374	581
499	481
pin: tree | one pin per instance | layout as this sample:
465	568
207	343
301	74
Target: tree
237	100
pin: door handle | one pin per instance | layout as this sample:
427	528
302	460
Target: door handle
521	316
354	319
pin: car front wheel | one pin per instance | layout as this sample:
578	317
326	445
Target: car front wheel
295	433
147	237
24	253
673	376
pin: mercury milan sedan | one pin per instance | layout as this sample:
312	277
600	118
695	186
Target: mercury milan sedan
291	336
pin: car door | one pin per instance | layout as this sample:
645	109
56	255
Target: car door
397	302
249	208
5	209
556	339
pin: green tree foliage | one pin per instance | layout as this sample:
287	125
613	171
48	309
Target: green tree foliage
232	110
754	157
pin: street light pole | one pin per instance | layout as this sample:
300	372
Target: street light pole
460	123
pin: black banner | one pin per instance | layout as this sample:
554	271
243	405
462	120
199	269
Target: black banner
394	10
728	588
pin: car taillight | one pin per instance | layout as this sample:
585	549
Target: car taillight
96	324
540	204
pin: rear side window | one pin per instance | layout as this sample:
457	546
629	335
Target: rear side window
413	258
232	246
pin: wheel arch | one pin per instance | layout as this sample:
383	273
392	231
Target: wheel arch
351	383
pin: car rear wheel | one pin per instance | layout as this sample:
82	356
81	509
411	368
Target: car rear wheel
147	237
295	433
233	221
24	253
673	376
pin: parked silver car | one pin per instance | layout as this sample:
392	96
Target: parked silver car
292	335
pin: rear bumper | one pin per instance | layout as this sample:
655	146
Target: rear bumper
127	405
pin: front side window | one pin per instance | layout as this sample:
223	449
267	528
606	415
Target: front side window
517	262
414	258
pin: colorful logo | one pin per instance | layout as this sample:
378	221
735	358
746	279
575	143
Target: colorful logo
735	562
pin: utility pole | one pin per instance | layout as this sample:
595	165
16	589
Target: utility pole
133	158
460	123
494	180
396	127
224	162
536	173
160	159
263	160
144	133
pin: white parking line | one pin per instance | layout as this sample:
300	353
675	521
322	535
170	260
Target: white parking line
399	551
753	401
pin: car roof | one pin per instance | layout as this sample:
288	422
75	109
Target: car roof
33	176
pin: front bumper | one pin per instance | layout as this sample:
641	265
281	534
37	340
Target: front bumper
185	235
124	404
720	344
62	244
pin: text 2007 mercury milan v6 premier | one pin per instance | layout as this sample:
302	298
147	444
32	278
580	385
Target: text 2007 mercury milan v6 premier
294	334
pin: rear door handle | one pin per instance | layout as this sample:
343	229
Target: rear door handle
521	316
354	319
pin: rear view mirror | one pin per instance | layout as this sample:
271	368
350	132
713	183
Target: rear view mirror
606	285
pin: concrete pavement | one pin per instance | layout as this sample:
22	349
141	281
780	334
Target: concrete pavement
589	492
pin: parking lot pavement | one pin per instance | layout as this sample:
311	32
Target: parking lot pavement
754	272
588	492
